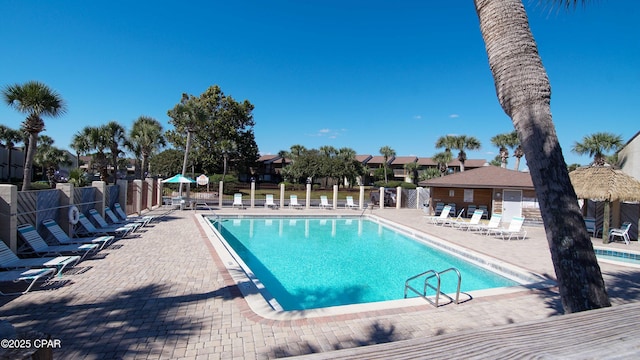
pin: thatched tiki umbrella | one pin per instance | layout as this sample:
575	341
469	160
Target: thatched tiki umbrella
603	183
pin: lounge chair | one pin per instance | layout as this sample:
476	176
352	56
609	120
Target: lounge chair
485	214
444	214
293	202
350	204
112	228
89	229
470	210
30	275
237	200
453	221
515	228
324	202
269	202
37	244
64	239
475	220
622	232
590	223
115	220
438	210
10	261
117	209
494	223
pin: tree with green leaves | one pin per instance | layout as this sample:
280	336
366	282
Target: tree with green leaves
412	168
597	145
387	152
524	92
167	163
10	137
95	142
209	119
504	142
146	137
116	136
460	143
443	159
36	100
49	158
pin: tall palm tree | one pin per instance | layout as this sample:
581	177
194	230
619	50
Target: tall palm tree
116	137
460	143
524	92
80	143
146	137
597	145
98	142
412	168
49	158
443	159
10	137
36	100
386	152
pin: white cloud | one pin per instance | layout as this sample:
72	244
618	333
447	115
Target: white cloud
418	117
454	116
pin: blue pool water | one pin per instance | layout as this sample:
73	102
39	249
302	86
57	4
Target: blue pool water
315	263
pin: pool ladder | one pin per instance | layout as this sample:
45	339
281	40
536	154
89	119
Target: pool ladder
429	275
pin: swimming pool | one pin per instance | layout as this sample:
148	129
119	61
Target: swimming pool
619	257
309	263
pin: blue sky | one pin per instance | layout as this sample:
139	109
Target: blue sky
360	74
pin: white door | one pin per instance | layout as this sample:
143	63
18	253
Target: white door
511	204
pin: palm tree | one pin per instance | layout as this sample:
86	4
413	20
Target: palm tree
596	145
227	147
460	143
98	142
387	152
412	168
443	159
116	137
80	143
524	92
146	137
36	100
504	142
49	158
10	137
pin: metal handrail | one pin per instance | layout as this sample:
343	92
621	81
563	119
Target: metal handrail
437	288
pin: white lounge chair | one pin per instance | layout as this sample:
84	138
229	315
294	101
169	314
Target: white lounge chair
113	228
453	221
494	223
444	214
349	204
622	232
475	220
89	229
31	275
115	220
237	200
10	261
293	202
117	209
515	228
324	202
269	202
37	244
64	239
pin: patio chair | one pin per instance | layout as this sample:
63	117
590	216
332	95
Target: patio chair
116	228
590	223
89	229
237	200
269	202
475	220
293	202
515	228
115	220
349	204
38	246
470	210
64	239
444	214
622	232
30	275
494	223
485	214
324	202
439	207
453	221
117	209
10	261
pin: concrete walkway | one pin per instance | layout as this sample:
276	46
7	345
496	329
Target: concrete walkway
165	294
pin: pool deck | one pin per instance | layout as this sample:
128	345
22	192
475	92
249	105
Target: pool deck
165	294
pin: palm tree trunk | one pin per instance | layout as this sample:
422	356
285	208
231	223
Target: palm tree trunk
28	162
186	156
524	93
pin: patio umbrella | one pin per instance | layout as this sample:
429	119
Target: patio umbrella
179	179
603	183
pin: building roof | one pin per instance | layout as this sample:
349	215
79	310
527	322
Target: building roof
470	163
378	160
363	158
402	160
483	177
